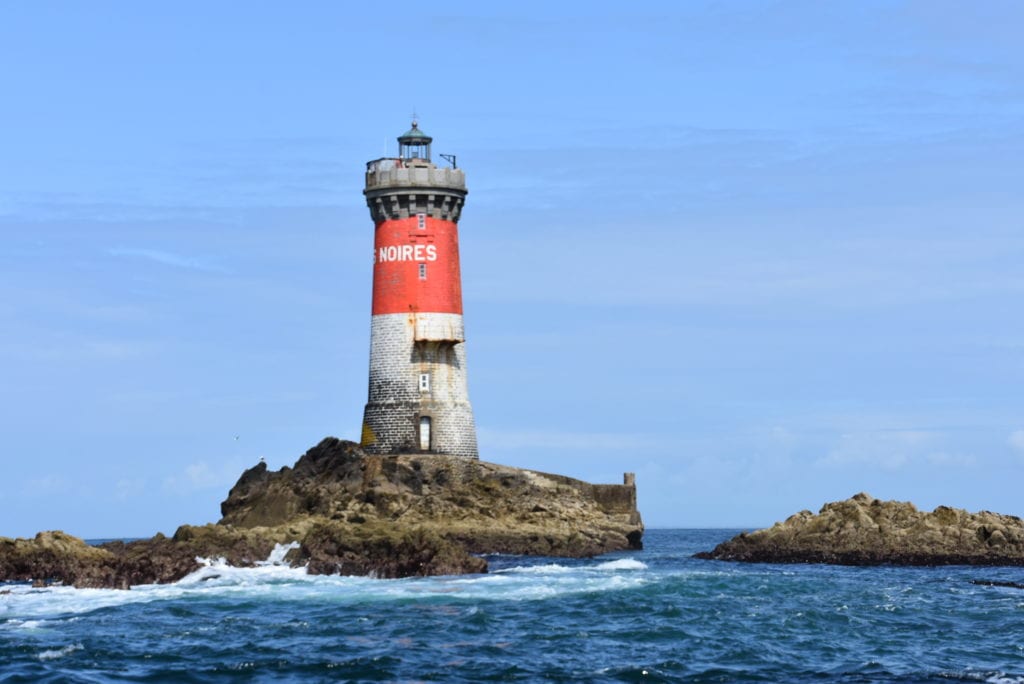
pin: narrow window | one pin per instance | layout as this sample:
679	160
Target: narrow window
425	433
421	221
424	382
423	271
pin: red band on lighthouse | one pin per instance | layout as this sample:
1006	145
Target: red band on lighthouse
416	266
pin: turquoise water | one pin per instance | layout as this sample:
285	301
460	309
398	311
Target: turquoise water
655	615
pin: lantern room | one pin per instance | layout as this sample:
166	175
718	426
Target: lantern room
414	145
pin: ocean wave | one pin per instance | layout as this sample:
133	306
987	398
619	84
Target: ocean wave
273	579
546	569
603	619
986	677
23	624
623	564
1001	678
54	654
217	572
558	569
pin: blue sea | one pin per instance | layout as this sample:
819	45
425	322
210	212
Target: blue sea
652	616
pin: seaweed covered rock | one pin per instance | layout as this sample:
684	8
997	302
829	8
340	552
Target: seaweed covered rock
863	530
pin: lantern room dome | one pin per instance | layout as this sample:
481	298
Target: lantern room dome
414	144
415	136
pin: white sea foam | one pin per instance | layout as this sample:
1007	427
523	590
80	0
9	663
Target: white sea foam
556	569
1004	679
548	569
217	572
56	653
277	555
623	564
274	579
535	582
215	576
23	624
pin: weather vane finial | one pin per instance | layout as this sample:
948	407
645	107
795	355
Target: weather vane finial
415	119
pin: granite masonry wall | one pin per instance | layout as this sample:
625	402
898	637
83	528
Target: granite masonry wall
403	348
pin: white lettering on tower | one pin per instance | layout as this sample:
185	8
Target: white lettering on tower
406	253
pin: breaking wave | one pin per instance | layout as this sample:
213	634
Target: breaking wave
274	578
55	653
657	615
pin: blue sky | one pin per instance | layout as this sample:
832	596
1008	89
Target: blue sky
765	254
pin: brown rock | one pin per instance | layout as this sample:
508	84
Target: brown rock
483	506
386	516
866	531
331	548
52	556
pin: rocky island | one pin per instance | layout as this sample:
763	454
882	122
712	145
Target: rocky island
358	514
864	530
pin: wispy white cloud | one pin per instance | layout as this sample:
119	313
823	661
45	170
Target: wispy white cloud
889	450
47	485
73	348
553	439
1017	441
167	259
201	475
943	458
115	349
129	488
112	313
892	450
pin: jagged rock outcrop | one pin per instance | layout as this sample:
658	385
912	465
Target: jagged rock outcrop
866	531
324	549
482	506
56	556
386	516
53	554
331	548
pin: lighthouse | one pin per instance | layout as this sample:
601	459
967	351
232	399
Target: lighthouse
418	400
